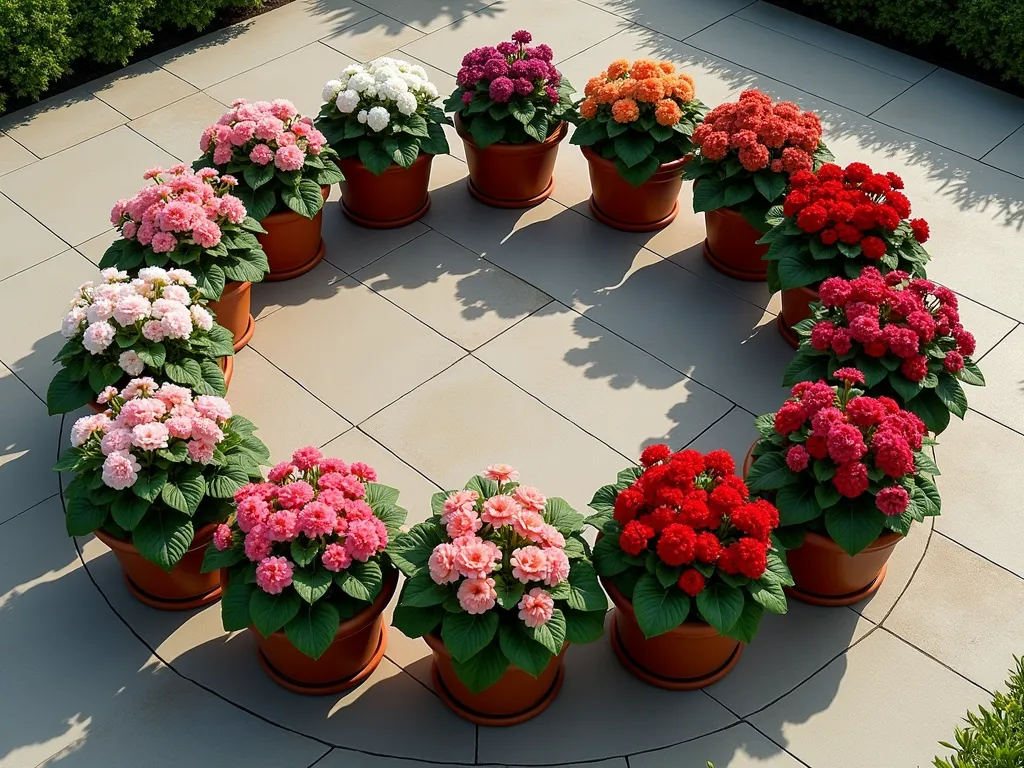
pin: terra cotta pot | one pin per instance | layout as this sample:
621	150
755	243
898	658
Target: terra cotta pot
617	203
395	198
731	245
826	575
691	656
511	175
795	307
292	242
357	650
233	311
514	699
182	588
227	365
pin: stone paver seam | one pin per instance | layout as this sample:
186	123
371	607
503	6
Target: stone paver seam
28	213
32	266
1002	338
976	553
379	13
995	420
14	373
4	133
77	143
325	754
665	34
937	660
138	117
999	144
28	509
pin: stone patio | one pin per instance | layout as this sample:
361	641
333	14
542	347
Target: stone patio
539	338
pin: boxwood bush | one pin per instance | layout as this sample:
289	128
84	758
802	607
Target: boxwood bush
42	41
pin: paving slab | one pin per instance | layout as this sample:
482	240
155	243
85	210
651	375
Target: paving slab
177	127
60	122
30	242
140	88
431	15
1002	397
13	155
29	447
1009	154
675	18
740	746
371	38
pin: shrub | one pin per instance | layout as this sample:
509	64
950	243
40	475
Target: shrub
993	738
991	32
35	45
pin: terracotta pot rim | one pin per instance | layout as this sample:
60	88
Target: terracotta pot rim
663	169
237	286
127	546
422	157
285	216
887	539
690	629
505	147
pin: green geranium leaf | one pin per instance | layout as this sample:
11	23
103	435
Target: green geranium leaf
66	394
223	483
746	626
609	559
805	366
558	513
583	626
521	649
215	560
312	583
234	606
769	594
853	524
482	670
465	635
416	622
148	485
82	517
585	593
363	581
185	492
720	605
127	510
271	612
951	394
604	500
797	503
770	472
658	610
510	592
163	536
410	551
374	157
257	175
928	406
552	634
304	554
420	591
186	372
313	629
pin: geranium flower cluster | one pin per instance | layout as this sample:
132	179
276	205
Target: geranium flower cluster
182	207
160	305
504	535
262	133
693	510
625	92
761	134
853	205
913	319
144	418
380	91
858	435
510	69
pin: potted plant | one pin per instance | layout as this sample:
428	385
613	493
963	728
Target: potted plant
285	171
904	334
498	585
689	563
156	325
190	219
745	153
833	223
381	119
509	108
634	128
154	476
305	569
849	477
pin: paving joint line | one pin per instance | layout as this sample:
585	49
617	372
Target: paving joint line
28	509
995	421
976	553
937	660
1001	340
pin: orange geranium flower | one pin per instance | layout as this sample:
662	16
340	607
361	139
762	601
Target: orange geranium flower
627	88
667	67
683	87
617	69
608	93
650	89
593	86
625	111
667	112
644	68
588	108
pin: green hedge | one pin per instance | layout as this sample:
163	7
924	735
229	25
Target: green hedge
988	33
993	738
42	40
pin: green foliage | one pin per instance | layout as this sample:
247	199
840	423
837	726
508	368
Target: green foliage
994	737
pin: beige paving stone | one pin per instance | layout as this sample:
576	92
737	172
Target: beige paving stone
240	47
40	297
318	284
458	294
1009	154
989	327
613	390
29	447
431	15
838	42
769	667
974	456
298	76
840	717
94	248
457	423
734	433
140	88
113	162
343	758
177	127
738	747
12	155
371	38
984	118
258	390
813	69
413	354
1002	397
29	241
598	689
60	121
671	17
900	569
947	612
568	27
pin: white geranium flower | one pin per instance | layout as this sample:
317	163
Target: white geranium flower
392	88
418	71
331	90
131	363
361	117
383	74
371	91
378	118
360	81
406	103
431	90
352	69
347	101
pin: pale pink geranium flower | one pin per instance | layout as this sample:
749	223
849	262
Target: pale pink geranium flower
463	522
307	458
206	431
147	387
222	153
501	473
262	154
232	208
150	437
289	158
130	309
173	394
558	566
285	139
206	233
500	511
273	574
530	526
131	363
177	293
551	537
102	308
257	544
120	470
336	558
279	472
164	242
357	509
251	512
442	564
529	498
143	411
201	318
459	500
98	337
105	394
177	324
317	519
295	495
84	427
476	558
363	539
282	525
201	453
529	564
213	407
222	538
364	472
477	596
153	331
536	608
243	132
